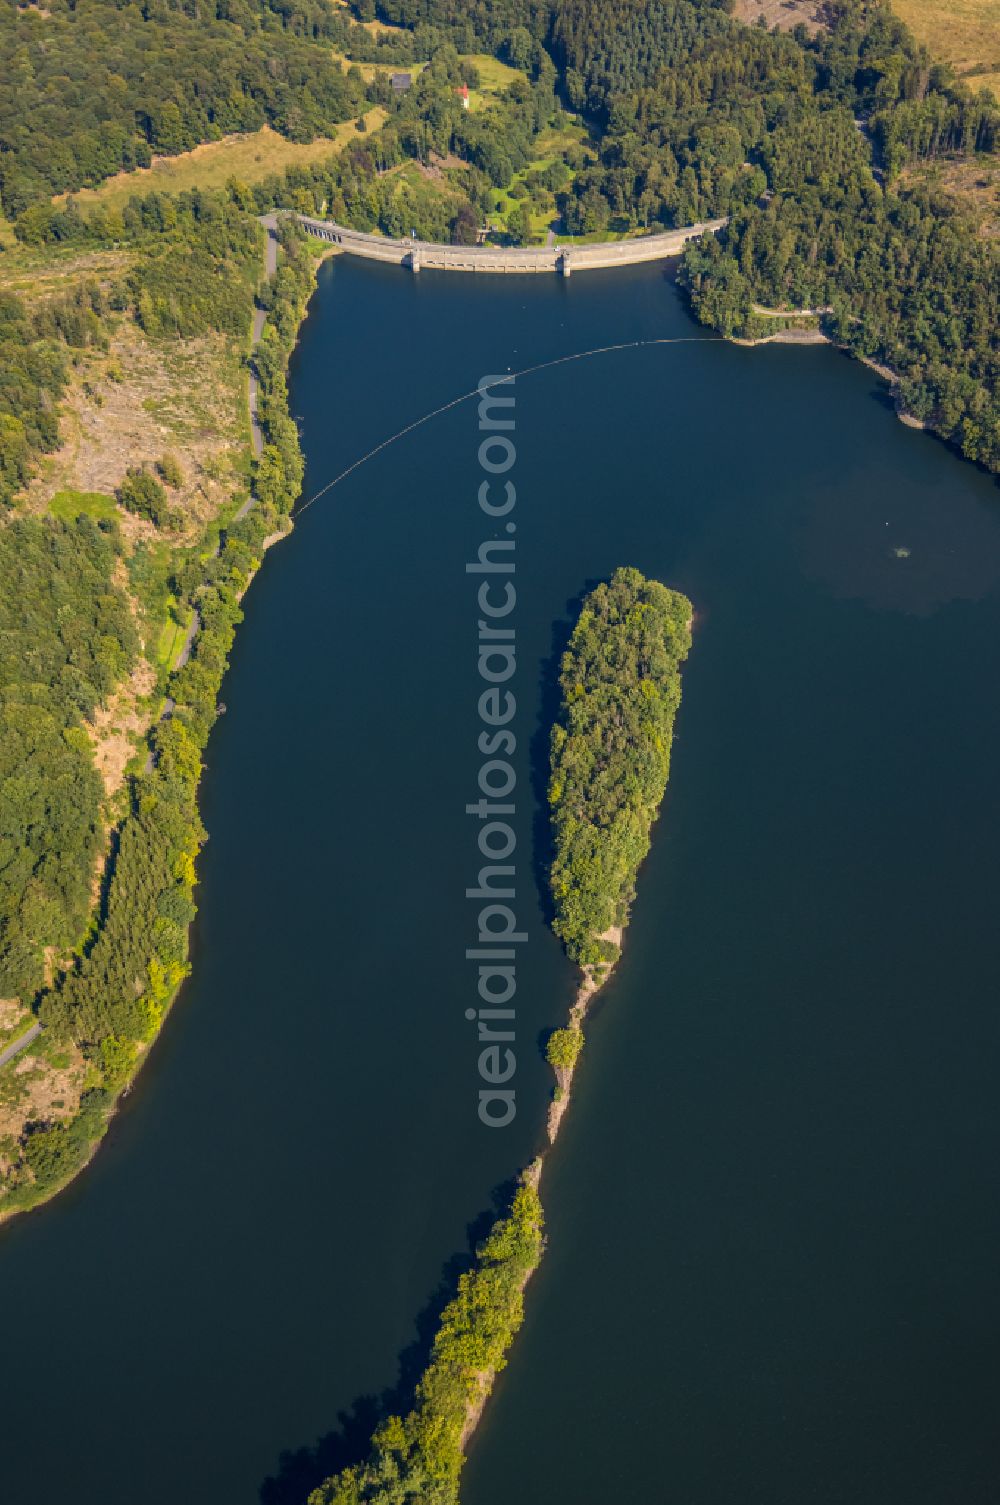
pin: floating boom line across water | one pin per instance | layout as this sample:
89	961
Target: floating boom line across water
486	386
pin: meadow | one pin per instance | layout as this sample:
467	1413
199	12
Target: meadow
248	158
964	33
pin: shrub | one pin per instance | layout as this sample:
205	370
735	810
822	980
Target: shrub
142	494
563	1049
169	470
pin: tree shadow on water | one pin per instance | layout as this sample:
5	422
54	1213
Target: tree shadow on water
302	1470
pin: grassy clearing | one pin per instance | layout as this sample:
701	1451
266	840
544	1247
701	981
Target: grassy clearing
369	70
551	147
68	505
494	78
38	273
149	570
375	28
595	238
171	638
15	1022
965	33
248	158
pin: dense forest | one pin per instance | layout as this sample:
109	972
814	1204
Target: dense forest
96	88
66	639
610	753
419	1456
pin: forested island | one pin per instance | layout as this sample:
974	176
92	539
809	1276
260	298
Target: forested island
620	682
610	756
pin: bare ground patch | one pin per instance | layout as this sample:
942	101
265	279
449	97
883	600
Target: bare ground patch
438	167
785	14
117	728
42	1086
140	400
43	274
971	183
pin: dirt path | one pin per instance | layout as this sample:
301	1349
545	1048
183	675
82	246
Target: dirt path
790	313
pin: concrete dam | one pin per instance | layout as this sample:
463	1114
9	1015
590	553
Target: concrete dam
417	254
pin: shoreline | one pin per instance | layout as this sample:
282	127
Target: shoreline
817	337
588	988
486	1378
144	1048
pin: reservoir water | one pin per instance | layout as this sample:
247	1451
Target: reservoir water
772	1213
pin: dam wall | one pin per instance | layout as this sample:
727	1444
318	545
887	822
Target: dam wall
420	254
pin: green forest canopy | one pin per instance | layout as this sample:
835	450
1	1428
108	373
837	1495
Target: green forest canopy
610	752
418	1457
97	87
66	639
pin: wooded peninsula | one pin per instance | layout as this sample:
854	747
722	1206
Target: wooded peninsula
610	761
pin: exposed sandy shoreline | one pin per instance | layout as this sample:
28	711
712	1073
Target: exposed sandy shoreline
817	337
589	985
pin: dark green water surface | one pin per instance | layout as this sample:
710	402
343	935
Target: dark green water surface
772	1272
